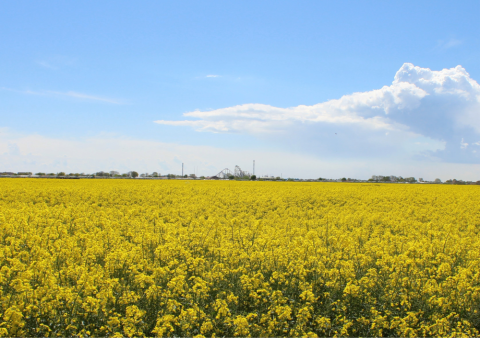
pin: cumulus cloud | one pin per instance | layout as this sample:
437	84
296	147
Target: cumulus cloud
425	113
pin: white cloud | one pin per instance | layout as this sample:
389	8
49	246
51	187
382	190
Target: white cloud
45	64
72	94
106	152
436	106
448	43
211	75
87	97
56	62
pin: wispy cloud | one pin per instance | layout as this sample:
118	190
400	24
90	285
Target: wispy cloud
212	75
45	64
56	62
448	43
72	94
88	97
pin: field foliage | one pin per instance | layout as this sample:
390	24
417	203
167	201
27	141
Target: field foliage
177	258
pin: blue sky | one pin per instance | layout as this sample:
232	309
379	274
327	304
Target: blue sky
116	85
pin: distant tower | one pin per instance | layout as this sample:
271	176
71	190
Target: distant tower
254	167
182	169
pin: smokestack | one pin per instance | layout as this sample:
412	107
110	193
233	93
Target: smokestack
182	169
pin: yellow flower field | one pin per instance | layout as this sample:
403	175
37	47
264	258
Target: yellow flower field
187	258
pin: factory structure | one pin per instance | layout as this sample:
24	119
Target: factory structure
236	173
